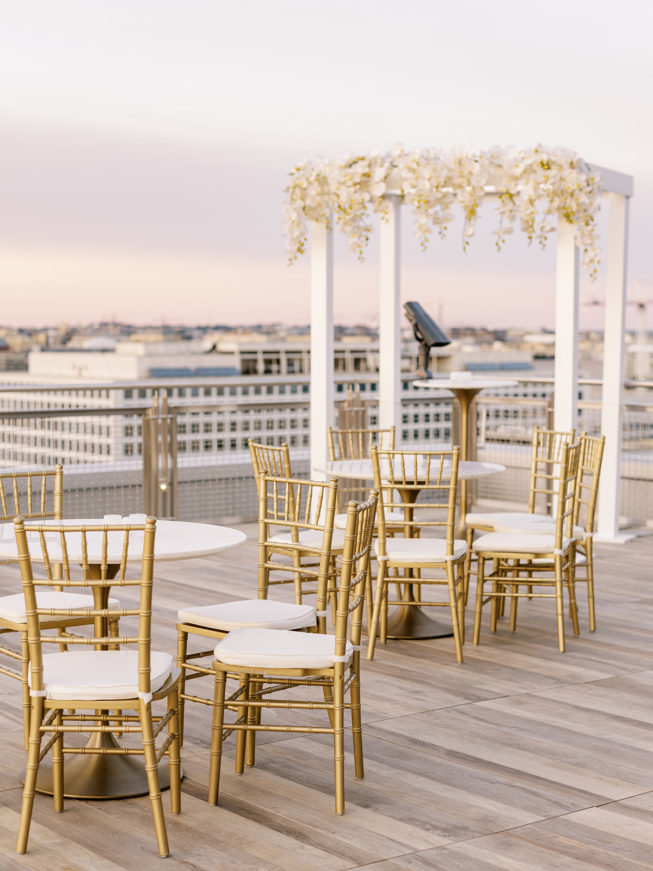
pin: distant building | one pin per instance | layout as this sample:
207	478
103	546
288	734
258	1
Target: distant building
237	388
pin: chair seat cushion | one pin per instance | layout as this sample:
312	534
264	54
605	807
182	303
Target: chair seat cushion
528	523
13	607
101	674
391	518
421	550
270	649
312	538
263	613
490	519
518	542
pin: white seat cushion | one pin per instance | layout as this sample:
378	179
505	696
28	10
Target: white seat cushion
505	542
270	649
262	613
529	523
312	538
101	674
13	607
490	519
421	550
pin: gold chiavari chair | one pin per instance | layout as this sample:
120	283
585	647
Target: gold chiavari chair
431	477
587	490
110	683
33	496
306	507
546	448
534	560
275	460
288	661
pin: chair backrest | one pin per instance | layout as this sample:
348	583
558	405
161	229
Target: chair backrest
355	567
32	495
546	453
93	558
355	444
566	495
589	473
295	532
270	459
404	477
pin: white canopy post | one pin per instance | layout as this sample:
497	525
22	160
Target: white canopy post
322	369
613	369
390	318
565	408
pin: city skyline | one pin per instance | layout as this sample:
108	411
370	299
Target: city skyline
147	147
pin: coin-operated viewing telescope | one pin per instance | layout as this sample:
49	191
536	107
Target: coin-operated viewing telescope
428	334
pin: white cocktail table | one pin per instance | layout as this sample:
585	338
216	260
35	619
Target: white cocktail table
95	776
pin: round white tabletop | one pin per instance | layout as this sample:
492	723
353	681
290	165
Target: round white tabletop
362	469
174	540
464	381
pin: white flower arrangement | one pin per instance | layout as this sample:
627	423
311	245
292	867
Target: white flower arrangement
535	185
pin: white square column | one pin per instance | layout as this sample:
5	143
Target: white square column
565	407
322	368
613	369
390	319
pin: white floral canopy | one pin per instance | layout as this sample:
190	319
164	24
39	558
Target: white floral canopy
535	185
540	189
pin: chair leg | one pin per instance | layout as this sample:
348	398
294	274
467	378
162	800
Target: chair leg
501	602
174	762
514	601
243	717
468	561
253	715
369	598
383	624
461	601
57	765
27	701
453	607
496	605
356	723
480	582
182	653
216	735
339	739
589	567
560	607
31	772
145	715
373	627
573	605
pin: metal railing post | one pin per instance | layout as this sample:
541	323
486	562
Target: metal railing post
160	460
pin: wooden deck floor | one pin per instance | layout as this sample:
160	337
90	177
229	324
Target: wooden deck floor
520	758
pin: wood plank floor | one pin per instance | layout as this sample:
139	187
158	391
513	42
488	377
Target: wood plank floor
520	758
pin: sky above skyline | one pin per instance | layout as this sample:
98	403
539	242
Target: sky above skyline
146	146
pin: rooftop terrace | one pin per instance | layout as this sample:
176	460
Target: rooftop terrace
520	758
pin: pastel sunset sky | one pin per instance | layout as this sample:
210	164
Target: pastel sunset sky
146	146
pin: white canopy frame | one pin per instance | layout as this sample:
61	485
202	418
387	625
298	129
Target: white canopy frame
618	189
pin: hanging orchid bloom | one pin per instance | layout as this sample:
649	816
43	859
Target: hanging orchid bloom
534	186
